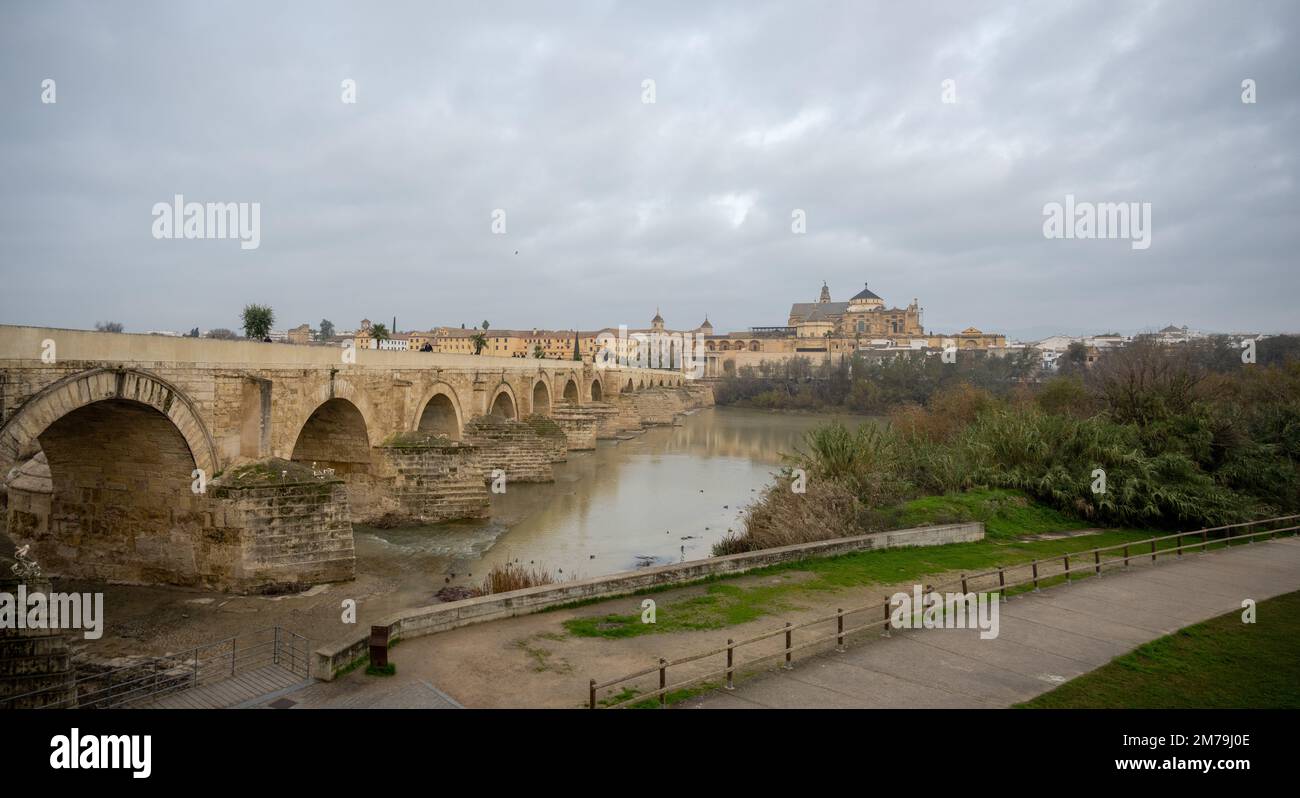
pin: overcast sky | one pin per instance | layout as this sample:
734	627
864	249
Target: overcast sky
614	205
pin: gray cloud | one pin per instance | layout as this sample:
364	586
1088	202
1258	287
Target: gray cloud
383	208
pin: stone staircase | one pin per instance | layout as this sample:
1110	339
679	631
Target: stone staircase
552	435
436	479
512	446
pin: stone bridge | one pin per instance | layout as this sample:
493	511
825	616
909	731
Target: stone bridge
241	466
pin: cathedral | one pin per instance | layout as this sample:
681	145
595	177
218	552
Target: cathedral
863	316
825	329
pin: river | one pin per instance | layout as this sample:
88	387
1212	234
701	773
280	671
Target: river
664	496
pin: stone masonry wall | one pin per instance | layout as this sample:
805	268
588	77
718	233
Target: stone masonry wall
33	659
628	419
654	407
579	426
554	441
606	416
432	482
512	446
290	535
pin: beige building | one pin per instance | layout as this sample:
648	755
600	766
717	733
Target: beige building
822	329
545	344
300	334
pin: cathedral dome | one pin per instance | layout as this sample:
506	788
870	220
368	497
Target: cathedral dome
866	299
866	294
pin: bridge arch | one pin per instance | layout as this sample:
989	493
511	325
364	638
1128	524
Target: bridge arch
597	389
541	398
335	432
503	402
120	448
85	388
336	436
570	390
337	388
439	413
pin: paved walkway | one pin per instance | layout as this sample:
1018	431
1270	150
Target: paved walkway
1045	638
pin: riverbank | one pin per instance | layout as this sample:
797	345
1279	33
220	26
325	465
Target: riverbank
545	659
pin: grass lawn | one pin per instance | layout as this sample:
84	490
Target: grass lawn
1221	663
1005	513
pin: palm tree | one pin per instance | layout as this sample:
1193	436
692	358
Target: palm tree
480	342
379	332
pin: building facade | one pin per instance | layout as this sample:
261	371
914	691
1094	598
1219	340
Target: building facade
825	329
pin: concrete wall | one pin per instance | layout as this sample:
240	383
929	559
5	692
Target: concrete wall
329	660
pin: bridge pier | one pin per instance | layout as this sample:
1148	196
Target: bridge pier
655	407
426	479
33	659
627	418
512	446
554	441
579	425
606	417
277	527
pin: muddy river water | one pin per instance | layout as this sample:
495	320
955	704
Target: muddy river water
665	496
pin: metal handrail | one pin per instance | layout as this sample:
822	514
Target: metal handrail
191	667
1094	566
